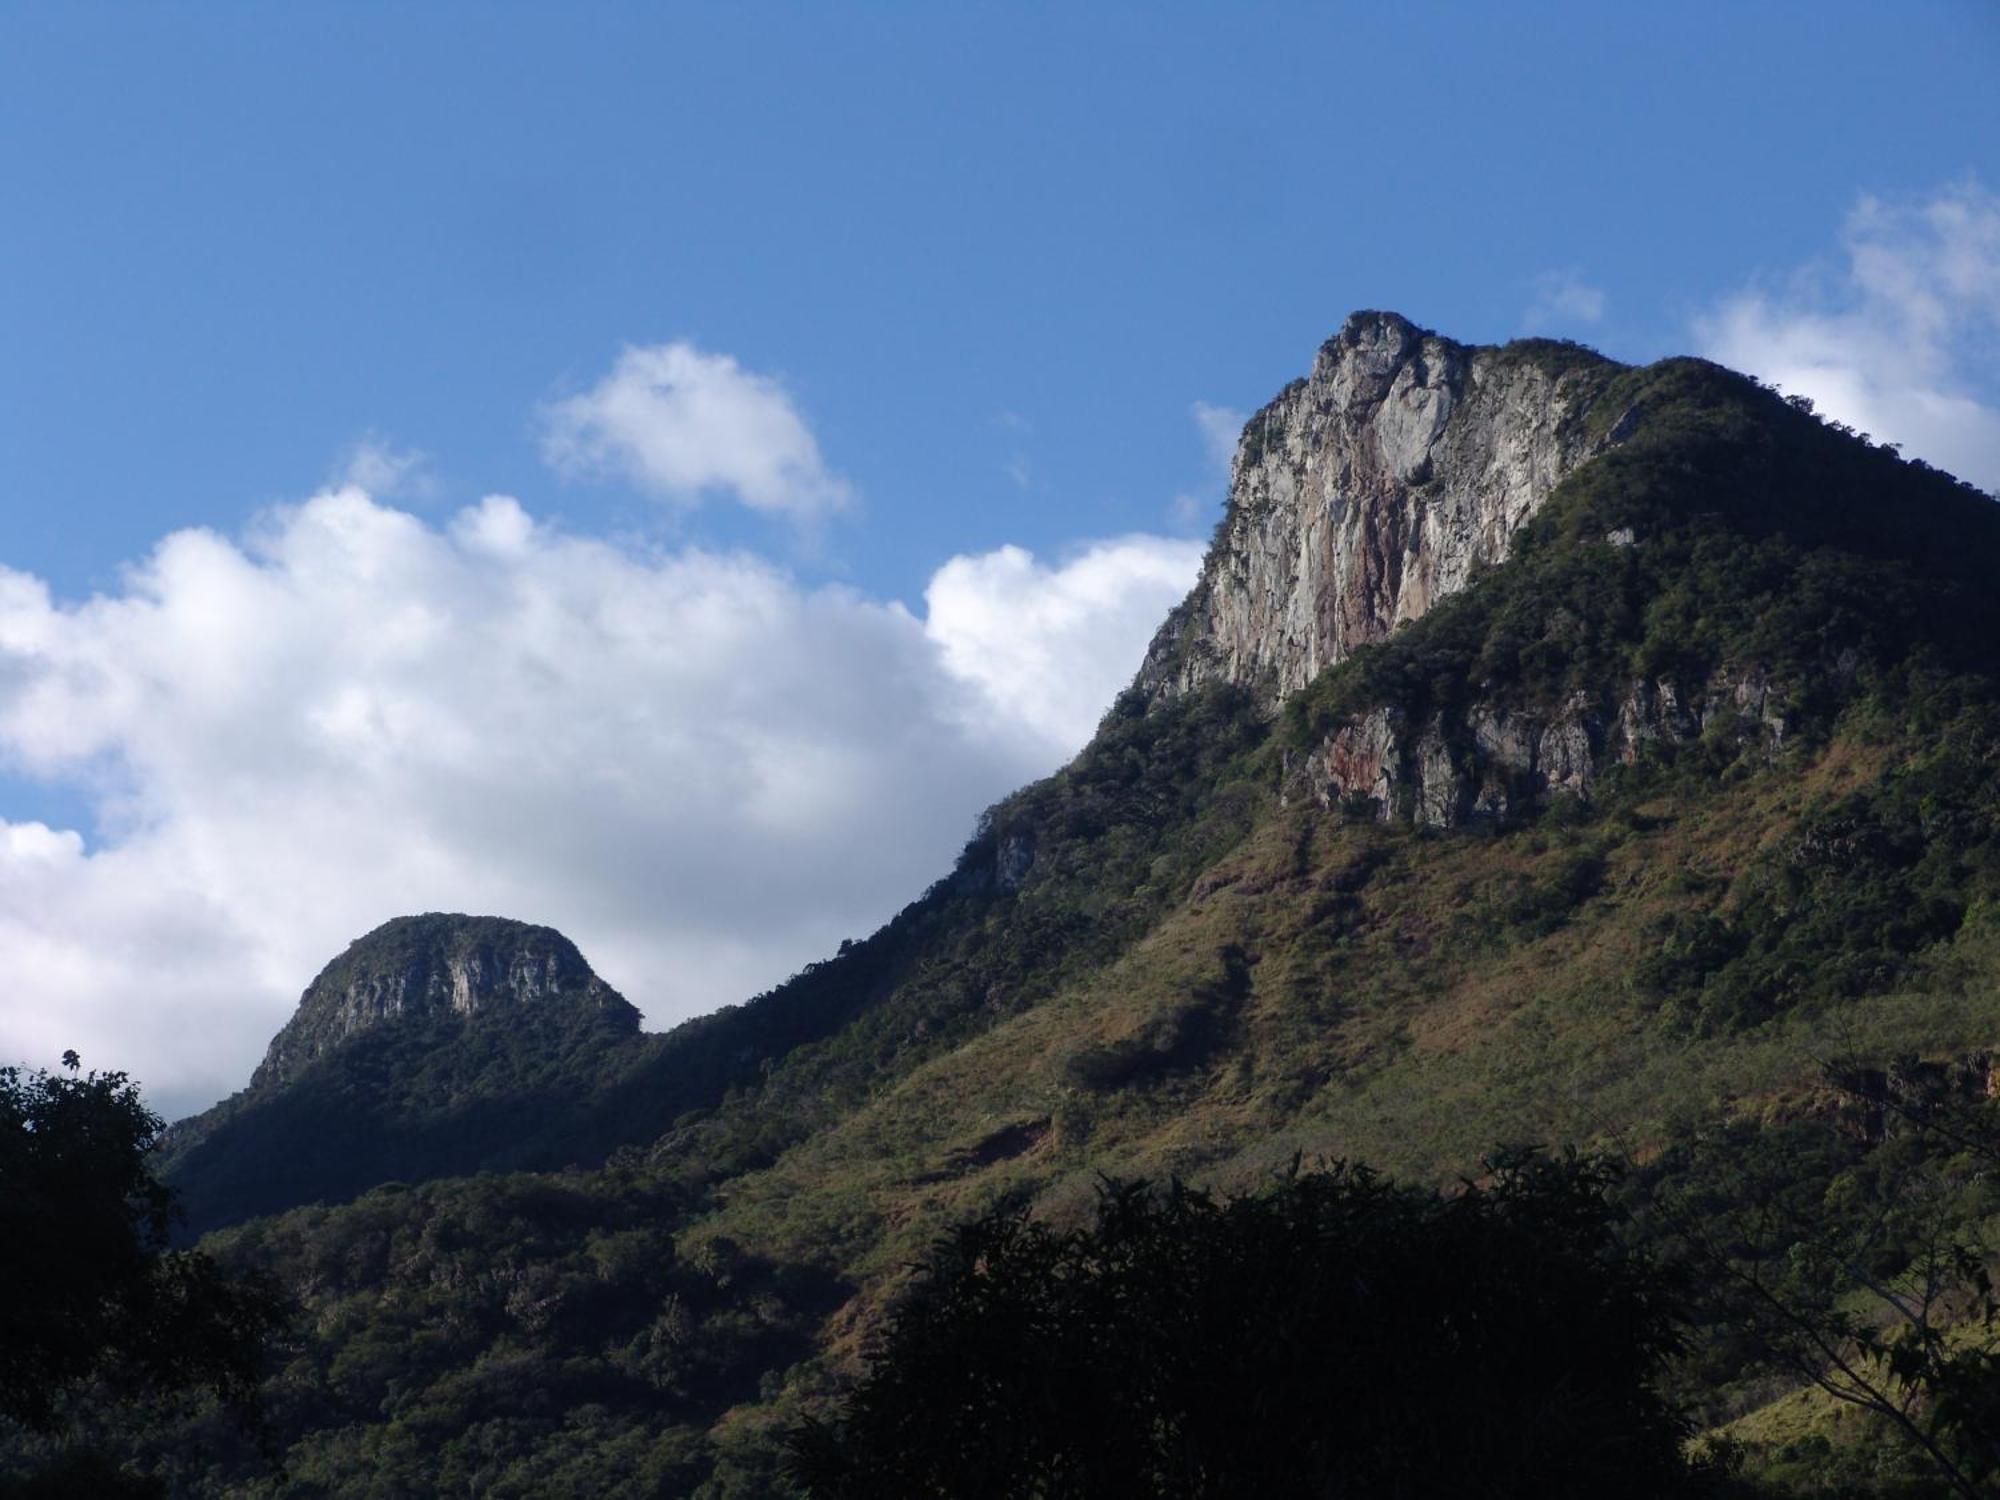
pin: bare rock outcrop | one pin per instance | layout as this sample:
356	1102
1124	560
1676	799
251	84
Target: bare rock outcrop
1494	762
437	964
1368	491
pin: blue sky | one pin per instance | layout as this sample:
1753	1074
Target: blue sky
237	238
979	264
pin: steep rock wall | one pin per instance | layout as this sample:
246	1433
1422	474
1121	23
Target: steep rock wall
1491	763
1366	492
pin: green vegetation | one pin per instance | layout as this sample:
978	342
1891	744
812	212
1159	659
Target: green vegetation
1853	1250
516	1335
95	1304
434	1095
333	1111
1169	961
1331	1335
1845	592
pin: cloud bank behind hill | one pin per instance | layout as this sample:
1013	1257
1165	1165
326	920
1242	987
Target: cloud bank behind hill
704	770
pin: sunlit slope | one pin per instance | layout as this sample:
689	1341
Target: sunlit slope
1697	787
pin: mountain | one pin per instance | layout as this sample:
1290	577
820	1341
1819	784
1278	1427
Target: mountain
1551	751
435	1045
470	972
1371	489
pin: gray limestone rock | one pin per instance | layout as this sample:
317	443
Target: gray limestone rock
1368	491
1365	493
1499	761
469	967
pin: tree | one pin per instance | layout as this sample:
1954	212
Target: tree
1872	1282
91	1290
1335	1335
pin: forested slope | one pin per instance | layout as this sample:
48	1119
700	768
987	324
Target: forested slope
1690	789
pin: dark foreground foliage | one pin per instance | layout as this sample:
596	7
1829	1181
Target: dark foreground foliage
91	1295
1852	1251
1336	1335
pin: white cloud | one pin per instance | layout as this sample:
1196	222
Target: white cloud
386	471
1220	428
1563	299
1042	643
682	424
1900	339
705	772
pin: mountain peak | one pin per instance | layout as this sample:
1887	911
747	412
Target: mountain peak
435	1045
1370	489
437	964
1374	328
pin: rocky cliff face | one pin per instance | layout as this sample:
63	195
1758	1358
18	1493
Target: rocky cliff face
1369	490
1495	762
470	967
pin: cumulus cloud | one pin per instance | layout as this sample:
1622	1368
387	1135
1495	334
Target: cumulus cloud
705	771
1040	642
683	424
1899	337
1563	299
390	473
